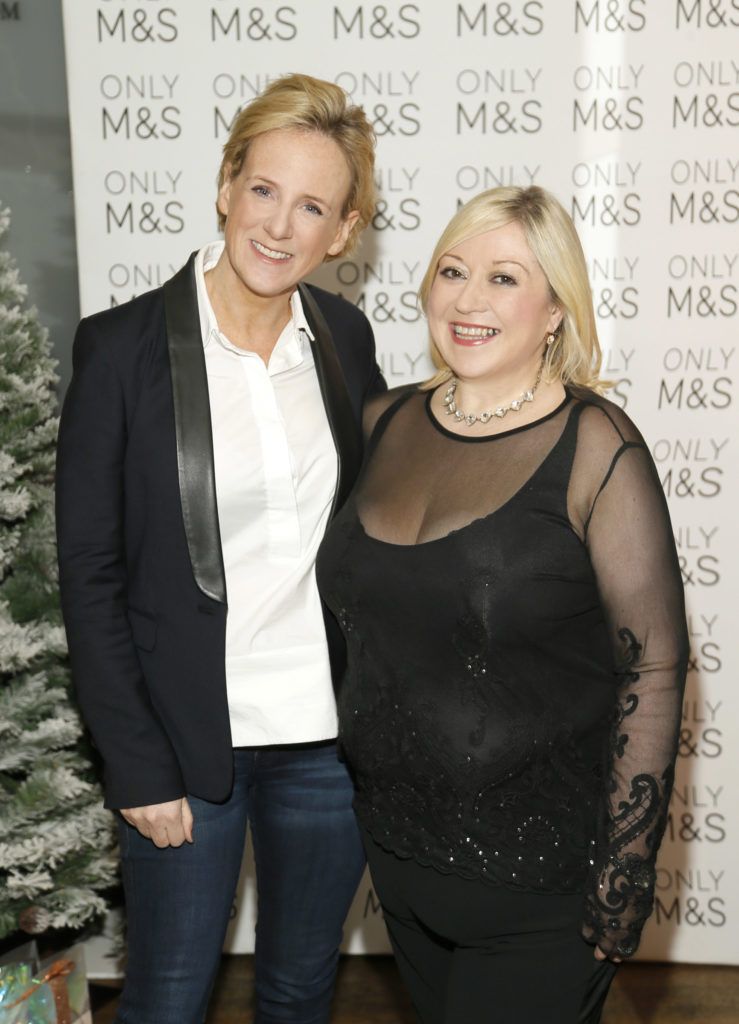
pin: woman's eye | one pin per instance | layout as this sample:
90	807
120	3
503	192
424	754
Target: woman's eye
311	208
504	279
454	273
260	190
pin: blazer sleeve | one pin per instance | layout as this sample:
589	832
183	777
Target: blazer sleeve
376	383
140	765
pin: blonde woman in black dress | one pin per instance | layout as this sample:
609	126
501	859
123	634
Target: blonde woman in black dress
506	579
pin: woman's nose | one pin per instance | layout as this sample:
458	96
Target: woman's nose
472	297
279	222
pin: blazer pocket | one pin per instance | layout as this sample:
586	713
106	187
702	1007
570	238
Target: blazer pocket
143	628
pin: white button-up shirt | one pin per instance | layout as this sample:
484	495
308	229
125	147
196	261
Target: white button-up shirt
275	470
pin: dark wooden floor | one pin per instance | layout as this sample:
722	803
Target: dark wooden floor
369	992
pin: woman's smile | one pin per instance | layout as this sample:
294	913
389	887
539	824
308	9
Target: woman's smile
472	334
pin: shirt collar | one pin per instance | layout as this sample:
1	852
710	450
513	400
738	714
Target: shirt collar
291	345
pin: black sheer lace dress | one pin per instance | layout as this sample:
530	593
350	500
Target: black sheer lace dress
517	647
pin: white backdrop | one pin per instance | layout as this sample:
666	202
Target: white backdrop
627	110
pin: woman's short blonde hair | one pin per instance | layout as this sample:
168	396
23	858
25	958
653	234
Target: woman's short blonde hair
302	103
575	356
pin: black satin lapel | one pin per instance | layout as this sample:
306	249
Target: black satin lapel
344	427
194	434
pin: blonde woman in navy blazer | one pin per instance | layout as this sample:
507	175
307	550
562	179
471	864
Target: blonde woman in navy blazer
147	586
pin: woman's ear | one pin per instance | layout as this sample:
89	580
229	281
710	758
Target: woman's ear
343	232
224	192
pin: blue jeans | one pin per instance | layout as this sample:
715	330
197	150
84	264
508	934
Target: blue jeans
309	859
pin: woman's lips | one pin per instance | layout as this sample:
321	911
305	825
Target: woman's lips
272	255
471	335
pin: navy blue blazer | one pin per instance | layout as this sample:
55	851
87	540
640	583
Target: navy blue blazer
141	573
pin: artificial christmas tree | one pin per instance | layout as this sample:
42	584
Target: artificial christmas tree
57	843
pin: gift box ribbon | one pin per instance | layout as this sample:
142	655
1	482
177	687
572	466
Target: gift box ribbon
54	978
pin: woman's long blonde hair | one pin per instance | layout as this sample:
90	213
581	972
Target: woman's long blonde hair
575	356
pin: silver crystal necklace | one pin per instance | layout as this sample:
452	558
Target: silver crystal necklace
451	408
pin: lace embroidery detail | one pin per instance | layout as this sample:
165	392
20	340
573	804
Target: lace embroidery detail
621	898
470	642
504	821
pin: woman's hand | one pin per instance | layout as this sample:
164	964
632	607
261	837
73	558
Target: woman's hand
168	824
600	955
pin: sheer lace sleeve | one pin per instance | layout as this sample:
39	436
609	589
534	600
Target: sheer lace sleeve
629	538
